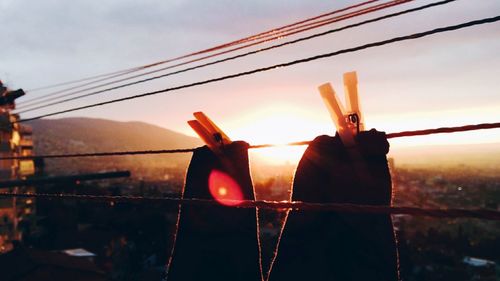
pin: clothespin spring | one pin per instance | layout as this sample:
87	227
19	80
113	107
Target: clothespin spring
354	118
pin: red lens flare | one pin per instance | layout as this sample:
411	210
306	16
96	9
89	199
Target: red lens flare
224	189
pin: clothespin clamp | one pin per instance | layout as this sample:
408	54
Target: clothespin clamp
210	133
348	122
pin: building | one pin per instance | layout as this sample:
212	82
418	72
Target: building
15	140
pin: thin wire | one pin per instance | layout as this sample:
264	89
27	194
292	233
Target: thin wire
32	106
276	36
40	99
441	130
78	80
286	64
101	154
64	179
281	205
211	49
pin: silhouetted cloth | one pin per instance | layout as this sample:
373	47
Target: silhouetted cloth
216	242
339	246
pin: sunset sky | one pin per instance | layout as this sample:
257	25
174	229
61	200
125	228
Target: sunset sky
442	80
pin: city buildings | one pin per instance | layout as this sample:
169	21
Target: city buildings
15	140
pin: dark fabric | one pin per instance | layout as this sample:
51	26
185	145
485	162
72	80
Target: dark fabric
333	246
216	242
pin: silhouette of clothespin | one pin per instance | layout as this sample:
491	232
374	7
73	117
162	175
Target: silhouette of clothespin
348	122
209	132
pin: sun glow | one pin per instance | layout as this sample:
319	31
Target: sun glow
278	125
285	123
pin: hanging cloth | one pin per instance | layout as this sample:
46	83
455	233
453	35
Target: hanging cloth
323	245
217	242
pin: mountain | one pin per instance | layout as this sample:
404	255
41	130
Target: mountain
83	135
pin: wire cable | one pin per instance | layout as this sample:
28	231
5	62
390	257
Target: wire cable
286	64
485	214
64	179
276	36
77	80
441	130
211	49
32	105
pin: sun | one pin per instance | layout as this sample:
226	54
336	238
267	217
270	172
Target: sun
279	124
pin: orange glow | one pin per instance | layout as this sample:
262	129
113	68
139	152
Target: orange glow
278	124
224	189
285	122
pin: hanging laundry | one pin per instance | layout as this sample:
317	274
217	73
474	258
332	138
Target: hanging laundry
338	246
348	168
217	242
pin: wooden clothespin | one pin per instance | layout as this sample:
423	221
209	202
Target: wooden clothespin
353	106
210	133
348	122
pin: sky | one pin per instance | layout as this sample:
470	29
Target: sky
449	79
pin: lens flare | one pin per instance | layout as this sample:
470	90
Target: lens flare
224	189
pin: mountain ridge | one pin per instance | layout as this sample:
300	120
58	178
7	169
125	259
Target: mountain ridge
108	133
90	135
